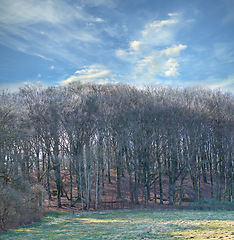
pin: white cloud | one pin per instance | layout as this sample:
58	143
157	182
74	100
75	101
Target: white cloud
154	53
135	45
163	27
156	64
171	68
173	14
121	52
155	34
99	19
171	63
52	67
172	72
161	33
150	64
174	50
157	26
90	74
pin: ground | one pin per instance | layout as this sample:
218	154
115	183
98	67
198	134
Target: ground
130	224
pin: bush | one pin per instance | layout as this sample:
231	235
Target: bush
21	203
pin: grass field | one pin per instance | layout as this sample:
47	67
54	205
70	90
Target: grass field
135	224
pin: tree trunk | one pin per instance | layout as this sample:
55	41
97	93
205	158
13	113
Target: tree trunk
211	178
136	185
131	188
103	177
58	183
38	166
81	188
171	190
160	181
118	183
71	182
97	187
48	178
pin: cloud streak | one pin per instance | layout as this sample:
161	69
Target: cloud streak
220	84
50	29
90	74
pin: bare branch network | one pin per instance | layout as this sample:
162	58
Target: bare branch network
158	139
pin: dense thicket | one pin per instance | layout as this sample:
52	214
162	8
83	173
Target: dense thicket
83	132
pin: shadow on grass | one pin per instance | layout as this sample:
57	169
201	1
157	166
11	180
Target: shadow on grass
134	224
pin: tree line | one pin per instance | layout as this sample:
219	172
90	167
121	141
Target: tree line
85	131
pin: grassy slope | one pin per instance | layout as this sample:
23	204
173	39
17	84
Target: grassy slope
141	224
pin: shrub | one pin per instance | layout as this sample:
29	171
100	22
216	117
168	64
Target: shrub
21	203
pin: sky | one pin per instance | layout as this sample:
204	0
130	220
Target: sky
180	43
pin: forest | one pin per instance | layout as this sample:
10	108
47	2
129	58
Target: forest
76	137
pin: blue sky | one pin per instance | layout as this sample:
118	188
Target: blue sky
182	43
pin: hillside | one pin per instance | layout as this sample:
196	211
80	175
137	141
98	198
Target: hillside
109	200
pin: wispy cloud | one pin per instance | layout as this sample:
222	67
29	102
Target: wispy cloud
155	53
161	33
90	74
220	83
158	26
18	12
48	29
97	3
224	52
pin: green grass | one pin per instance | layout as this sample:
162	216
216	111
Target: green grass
140	224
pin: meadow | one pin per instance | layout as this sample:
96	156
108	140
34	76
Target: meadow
130	224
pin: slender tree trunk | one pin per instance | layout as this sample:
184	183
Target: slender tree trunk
118	178
103	177
230	178
81	188
181	188
131	187
171	190
211	177
38	166
146	195
155	192
71	182
48	178
108	164
87	191
136	184
97	186
160	181
204	171
108	171
58	183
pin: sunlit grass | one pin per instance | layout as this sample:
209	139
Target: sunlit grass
144	224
